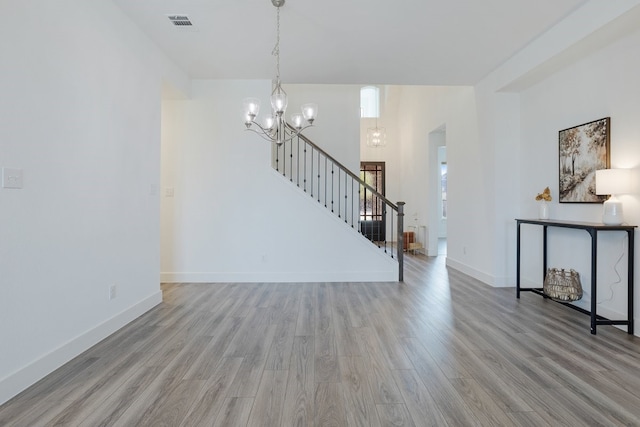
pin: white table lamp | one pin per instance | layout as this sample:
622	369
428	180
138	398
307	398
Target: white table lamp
613	182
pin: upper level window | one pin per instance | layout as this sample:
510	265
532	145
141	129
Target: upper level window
370	102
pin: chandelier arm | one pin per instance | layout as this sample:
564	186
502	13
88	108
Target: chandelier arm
292	129
288	136
261	133
253	122
288	132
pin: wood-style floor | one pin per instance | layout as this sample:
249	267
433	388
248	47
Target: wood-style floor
440	349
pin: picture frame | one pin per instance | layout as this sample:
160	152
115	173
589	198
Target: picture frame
582	150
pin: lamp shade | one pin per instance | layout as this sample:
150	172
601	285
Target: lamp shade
251	106
613	181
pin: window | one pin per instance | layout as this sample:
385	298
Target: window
369	102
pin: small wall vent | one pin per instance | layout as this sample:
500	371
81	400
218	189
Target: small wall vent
181	22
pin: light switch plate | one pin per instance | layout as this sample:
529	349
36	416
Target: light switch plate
11	178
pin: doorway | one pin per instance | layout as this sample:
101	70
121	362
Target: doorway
442	200
437	192
372	210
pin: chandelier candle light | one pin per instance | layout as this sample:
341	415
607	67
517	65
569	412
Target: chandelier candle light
274	127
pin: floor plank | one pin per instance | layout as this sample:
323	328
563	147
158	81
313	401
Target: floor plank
208	403
359	404
298	402
268	405
235	412
329	408
423	409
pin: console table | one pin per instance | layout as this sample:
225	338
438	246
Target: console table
593	229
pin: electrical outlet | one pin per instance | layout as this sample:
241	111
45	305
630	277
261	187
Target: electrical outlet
112	292
12	178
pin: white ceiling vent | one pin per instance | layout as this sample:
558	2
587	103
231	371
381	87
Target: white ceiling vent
181	22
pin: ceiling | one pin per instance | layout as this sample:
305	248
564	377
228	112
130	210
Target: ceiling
403	42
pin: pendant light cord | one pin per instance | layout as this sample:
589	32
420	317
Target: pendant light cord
276	49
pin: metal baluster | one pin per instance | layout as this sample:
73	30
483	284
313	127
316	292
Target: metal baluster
359	192
384	221
311	176
352	200
277	158
291	162
298	164
339	193
305	168
332	186
345	197
400	241
364	198
390	241
325	182
374	214
284	159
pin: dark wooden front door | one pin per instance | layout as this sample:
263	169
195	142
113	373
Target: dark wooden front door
372	208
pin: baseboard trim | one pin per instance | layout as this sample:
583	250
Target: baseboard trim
281	277
479	275
15	383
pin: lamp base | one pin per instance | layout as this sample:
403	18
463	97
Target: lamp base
612	212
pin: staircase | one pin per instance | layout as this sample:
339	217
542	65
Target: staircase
339	190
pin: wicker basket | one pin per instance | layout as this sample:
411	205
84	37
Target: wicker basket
562	285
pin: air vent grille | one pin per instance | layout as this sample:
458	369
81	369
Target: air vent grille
180	21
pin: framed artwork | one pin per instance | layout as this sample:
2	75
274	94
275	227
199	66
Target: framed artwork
583	149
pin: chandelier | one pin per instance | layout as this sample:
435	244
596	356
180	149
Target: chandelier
376	136
274	127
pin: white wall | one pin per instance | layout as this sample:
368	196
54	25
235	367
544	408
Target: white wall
80	115
337	128
423	112
232	217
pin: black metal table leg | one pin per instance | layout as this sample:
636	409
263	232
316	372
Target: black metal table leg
630	295
518	261
594	272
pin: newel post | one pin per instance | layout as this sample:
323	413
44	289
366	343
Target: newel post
400	241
